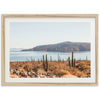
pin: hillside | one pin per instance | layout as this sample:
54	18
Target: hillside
62	47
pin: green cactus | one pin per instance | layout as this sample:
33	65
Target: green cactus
59	59
43	62
86	58
74	62
69	61
63	60
38	61
50	58
72	59
46	67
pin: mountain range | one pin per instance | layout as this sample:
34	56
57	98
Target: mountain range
62	47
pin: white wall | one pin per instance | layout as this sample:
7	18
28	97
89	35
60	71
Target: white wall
49	7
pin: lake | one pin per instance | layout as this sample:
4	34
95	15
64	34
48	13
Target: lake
37	55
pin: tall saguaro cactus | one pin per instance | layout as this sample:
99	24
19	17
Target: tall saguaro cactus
43	62
72	59
74	62
69	61
46	63
86	58
38	61
50	58
58	57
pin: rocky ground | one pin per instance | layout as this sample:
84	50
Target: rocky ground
15	73
55	70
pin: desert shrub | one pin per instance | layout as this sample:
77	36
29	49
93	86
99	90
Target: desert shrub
80	74
16	66
27	67
51	67
60	73
20	65
82	66
35	68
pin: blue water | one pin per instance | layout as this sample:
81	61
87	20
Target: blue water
37	55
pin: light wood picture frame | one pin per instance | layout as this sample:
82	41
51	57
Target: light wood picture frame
50	18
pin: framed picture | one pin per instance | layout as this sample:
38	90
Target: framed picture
52	49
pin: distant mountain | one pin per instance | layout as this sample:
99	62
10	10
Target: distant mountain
62	47
16	49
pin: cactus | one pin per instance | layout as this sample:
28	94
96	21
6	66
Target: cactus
74	62
46	67
38	61
69	61
63	60
86	58
50	58
72	59
58	57
43	62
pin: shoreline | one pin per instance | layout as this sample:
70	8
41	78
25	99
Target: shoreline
48	60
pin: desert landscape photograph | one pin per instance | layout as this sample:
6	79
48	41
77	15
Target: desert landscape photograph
50	50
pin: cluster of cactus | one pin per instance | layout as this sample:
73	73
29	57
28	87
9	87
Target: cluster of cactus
38	61
63	60
86	58
59	59
73	61
45	63
32	59
69	61
50	58
27	67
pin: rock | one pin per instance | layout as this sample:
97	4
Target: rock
17	72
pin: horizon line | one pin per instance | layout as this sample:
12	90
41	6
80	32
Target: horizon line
52	44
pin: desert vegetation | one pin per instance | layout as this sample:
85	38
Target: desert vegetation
71	68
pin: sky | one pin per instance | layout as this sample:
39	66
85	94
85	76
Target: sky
31	34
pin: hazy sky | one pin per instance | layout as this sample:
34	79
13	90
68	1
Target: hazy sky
31	34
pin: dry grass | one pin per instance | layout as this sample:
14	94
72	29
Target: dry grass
58	69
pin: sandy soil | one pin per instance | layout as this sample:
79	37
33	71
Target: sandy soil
35	69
